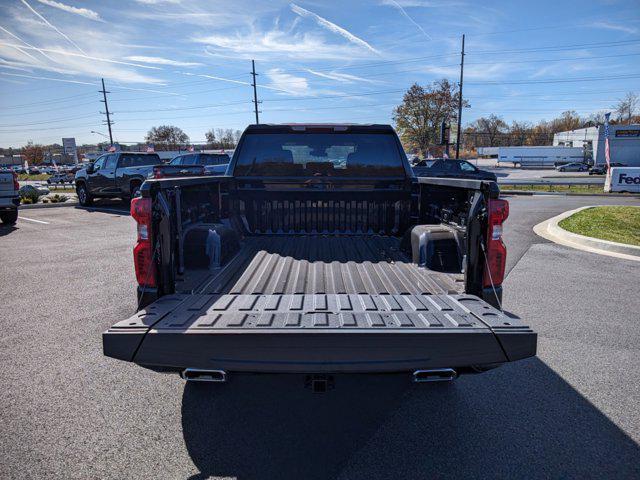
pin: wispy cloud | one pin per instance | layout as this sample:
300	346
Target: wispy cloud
26	43
157	2
48	78
83	12
52	26
615	26
285	82
14	65
161	61
332	27
399	7
88	57
276	43
340	77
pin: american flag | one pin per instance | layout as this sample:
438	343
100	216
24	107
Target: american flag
607	153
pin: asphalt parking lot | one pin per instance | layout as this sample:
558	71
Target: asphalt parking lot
68	412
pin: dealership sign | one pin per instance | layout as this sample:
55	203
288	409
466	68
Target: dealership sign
623	179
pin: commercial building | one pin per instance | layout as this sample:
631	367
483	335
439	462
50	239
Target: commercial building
624	143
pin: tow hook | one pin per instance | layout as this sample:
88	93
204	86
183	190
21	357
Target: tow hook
319	383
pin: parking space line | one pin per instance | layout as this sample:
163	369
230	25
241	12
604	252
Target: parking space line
33	220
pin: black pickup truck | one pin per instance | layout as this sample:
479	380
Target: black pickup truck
114	175
320	253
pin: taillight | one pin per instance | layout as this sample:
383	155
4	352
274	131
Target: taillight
496	250
157	173
16	185
143	251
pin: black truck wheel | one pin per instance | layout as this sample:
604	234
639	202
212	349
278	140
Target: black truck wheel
84	197
10	218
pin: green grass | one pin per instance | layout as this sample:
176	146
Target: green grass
616	224
40	176
596	189
66	189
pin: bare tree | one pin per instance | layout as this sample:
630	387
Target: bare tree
626	107
211	138
491	129
518	132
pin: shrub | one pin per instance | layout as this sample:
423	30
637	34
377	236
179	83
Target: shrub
57	198
29	194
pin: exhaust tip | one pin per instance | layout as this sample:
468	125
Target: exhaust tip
199	375
435	375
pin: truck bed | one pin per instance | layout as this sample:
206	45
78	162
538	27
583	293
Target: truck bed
320	304
289	264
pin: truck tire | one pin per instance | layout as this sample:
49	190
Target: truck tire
134	189
84	197
9	218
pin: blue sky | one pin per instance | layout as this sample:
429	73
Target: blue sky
187	62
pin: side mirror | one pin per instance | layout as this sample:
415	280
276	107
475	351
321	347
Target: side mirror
90	168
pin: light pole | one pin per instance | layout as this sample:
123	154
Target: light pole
99	133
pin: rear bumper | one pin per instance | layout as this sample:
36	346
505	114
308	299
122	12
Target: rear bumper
8	204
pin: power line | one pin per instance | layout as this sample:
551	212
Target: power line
57	120
46	102
184	108
564	80
558	47
49	109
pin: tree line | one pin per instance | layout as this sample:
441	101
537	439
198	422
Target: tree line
418	121
170	137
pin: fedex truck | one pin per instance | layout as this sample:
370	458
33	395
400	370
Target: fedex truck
623	179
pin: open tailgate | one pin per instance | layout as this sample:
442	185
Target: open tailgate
319	333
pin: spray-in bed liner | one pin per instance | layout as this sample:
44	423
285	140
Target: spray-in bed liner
327	264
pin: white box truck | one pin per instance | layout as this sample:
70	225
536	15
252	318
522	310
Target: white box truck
623	179
542	156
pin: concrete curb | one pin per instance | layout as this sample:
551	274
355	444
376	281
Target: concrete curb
47	205
550	230
566	194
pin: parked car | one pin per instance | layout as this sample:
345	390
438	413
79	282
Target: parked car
454	169
602	169
114	175
9	199
572	167
319	253
60	178
33	171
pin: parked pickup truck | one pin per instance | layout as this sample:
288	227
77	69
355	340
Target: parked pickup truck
319	253
193	164
118	175
9	199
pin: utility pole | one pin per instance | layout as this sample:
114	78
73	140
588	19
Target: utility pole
458	133
255	92
106	112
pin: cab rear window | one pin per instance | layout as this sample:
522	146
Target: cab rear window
319	154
